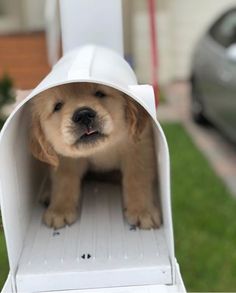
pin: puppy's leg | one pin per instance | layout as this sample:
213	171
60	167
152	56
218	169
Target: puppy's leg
44	197
138	178
66	184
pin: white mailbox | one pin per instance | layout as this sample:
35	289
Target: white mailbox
100	252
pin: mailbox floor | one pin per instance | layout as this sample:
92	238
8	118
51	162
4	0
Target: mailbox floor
99	250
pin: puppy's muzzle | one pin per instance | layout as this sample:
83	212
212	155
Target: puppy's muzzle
84	117
87	126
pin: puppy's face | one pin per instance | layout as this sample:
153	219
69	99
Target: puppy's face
77	120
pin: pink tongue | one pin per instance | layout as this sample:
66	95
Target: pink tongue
88	132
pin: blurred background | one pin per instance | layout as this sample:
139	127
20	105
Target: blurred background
180	23
196	76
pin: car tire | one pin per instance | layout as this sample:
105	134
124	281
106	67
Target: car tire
197	107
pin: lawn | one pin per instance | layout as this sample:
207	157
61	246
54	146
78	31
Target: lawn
3	254
3	260
1	123
204	219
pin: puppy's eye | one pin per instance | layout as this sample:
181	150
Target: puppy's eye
100	94
57	107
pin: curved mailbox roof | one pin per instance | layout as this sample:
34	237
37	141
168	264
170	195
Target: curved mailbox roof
99	65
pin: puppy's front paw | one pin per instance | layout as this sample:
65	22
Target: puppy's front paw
145	218
58	219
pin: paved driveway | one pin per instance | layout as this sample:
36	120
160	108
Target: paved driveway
217	149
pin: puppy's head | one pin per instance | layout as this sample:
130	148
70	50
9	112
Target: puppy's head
77	120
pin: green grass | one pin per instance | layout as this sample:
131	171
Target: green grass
3	260
1	123
4	267
204	218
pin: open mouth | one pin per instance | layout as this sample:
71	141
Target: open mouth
90	136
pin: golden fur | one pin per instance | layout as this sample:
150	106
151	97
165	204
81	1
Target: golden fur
125	144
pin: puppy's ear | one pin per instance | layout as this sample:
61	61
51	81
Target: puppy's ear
40	147
136	117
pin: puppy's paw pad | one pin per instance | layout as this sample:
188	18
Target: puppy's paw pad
144	218
56	220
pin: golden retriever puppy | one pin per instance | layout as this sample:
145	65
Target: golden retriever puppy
83	126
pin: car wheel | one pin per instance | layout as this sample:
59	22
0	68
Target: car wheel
197	107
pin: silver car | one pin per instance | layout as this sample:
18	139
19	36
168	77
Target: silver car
213	75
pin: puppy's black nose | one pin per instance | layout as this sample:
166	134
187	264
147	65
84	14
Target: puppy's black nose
84	116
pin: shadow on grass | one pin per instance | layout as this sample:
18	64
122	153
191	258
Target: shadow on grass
1	123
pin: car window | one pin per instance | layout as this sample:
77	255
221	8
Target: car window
224	30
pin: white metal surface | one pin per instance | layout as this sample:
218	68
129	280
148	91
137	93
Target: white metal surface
83	22
100	250
7	288
38	259
132	289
